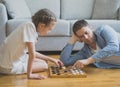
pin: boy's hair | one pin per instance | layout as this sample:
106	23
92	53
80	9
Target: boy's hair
43	16
78	25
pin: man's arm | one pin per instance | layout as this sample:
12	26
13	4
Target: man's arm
66	56
111	39
73	39
84	62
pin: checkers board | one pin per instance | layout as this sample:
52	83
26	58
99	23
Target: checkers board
63	72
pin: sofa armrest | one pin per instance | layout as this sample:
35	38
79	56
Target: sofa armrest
119	13
3	20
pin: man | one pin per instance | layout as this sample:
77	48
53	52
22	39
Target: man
101	47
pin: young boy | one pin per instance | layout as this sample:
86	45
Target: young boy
13	52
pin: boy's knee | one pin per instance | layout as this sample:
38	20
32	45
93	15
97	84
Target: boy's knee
45	66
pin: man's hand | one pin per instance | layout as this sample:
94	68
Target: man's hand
83	63
73	39
36	76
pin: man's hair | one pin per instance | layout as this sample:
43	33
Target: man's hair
44	16
78	25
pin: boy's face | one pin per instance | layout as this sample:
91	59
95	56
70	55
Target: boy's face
85	34
43	29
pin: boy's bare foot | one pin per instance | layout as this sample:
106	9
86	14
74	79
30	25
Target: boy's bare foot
37	76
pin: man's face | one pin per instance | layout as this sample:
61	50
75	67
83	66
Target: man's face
85	34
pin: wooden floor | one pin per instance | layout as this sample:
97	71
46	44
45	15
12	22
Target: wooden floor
95	78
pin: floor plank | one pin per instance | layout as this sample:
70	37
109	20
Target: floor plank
95	78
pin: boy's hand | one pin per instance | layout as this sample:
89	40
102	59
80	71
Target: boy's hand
36	76
58	62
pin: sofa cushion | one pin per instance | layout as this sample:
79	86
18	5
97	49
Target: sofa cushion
17	8
113	23
54	44
106	9
61	28
13	24
3	20
76	9
35	5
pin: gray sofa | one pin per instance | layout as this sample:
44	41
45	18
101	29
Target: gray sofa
96	12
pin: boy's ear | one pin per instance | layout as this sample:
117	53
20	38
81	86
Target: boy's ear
41	25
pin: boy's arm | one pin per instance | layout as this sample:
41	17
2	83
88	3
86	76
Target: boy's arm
32	55
47	58
31	51
44	57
